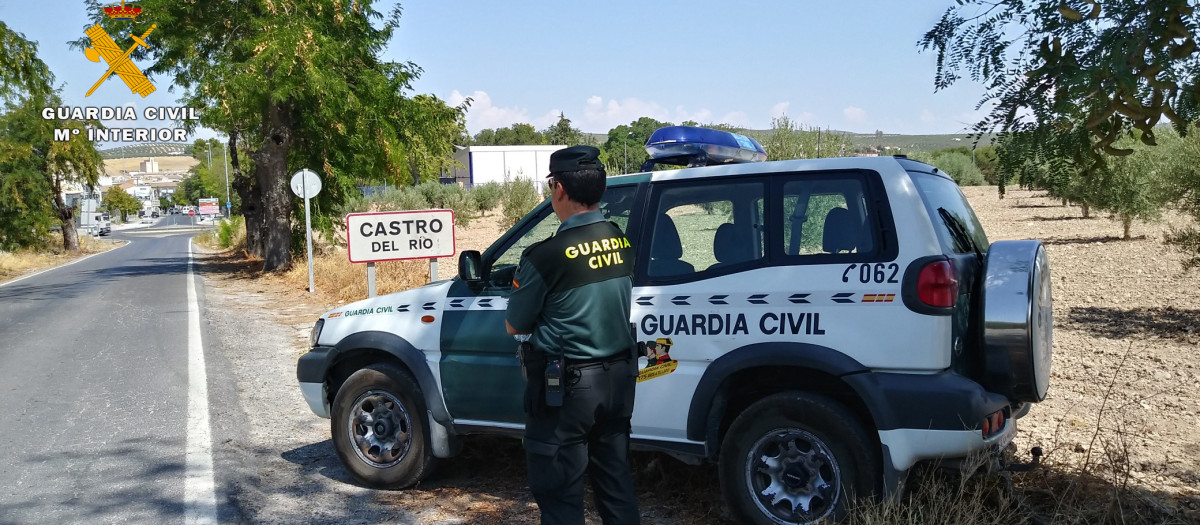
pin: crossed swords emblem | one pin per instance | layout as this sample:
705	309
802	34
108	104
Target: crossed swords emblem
106	48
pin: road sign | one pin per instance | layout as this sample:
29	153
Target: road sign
209	206
191	213
397	235
306	183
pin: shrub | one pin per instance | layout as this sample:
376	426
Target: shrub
960	167
519	197
231	232
487	196
463	204
434	193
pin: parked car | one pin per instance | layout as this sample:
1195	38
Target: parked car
817	328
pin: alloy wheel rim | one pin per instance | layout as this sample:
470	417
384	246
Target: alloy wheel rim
792	476
380	429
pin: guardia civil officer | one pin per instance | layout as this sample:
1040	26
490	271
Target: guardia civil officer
572	294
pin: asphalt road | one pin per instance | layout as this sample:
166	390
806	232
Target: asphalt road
95	386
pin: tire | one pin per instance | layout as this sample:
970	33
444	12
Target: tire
381	408
1018	320
795	450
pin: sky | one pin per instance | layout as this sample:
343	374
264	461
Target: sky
849	65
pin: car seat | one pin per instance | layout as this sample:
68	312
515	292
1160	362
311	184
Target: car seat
666	249
729	247
842	232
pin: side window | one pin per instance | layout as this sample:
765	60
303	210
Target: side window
824	216
699	229
615	206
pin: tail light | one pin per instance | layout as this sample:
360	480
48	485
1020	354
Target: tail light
993	424
936	285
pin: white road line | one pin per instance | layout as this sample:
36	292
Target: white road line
199	498
127	243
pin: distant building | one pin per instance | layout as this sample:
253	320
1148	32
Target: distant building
484	164
149	165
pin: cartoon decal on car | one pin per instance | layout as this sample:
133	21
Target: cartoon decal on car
658	359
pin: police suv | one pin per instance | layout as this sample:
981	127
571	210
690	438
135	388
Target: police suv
817	327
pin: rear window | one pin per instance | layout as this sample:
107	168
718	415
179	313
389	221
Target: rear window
937	192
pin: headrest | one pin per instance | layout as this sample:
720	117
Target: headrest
842	231
666	243
728	247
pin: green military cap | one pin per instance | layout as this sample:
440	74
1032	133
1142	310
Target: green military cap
575	158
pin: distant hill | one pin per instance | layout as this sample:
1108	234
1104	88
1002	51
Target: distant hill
157	149
917	143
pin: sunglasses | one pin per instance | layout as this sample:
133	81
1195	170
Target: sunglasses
551	183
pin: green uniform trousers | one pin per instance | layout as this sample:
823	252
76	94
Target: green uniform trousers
588	434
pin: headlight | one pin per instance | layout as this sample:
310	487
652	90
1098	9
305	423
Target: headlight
316	333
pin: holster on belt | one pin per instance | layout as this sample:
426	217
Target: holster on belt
533	361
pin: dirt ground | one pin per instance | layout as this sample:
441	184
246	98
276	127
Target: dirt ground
1122	404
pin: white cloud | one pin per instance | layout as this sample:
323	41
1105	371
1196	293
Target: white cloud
602	116
703	116
780	109
736	118
484	115
855	115
598	114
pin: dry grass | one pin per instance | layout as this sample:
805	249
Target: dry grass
23	262
336	278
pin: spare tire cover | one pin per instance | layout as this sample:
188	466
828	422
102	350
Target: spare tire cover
1018	320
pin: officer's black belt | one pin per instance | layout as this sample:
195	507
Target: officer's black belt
580	364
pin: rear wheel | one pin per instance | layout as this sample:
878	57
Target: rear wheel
795	458
379	428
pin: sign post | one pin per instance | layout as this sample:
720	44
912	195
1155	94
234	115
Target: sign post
399	235
306	184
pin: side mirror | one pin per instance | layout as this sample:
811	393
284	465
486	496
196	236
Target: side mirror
470	267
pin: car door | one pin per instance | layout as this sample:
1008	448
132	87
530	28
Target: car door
481	378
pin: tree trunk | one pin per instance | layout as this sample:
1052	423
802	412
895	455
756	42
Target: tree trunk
1126	222
66	216
1087	211
248	191
270	170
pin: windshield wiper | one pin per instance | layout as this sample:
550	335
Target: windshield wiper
960	231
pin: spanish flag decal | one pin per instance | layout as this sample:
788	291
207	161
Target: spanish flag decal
878	297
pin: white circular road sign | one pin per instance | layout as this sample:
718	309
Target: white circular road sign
306	183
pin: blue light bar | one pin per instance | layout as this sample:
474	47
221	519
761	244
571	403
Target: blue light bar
719	147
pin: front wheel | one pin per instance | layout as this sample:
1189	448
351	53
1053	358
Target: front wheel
795	458
379	432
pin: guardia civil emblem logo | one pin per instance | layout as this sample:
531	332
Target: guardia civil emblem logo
103	47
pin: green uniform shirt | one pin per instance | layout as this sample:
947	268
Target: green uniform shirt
573	290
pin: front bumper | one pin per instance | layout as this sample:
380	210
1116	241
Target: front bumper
317	397
310	371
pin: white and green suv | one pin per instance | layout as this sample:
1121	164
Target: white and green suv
817	327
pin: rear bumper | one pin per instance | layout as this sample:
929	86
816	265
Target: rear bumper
905	447
932	416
